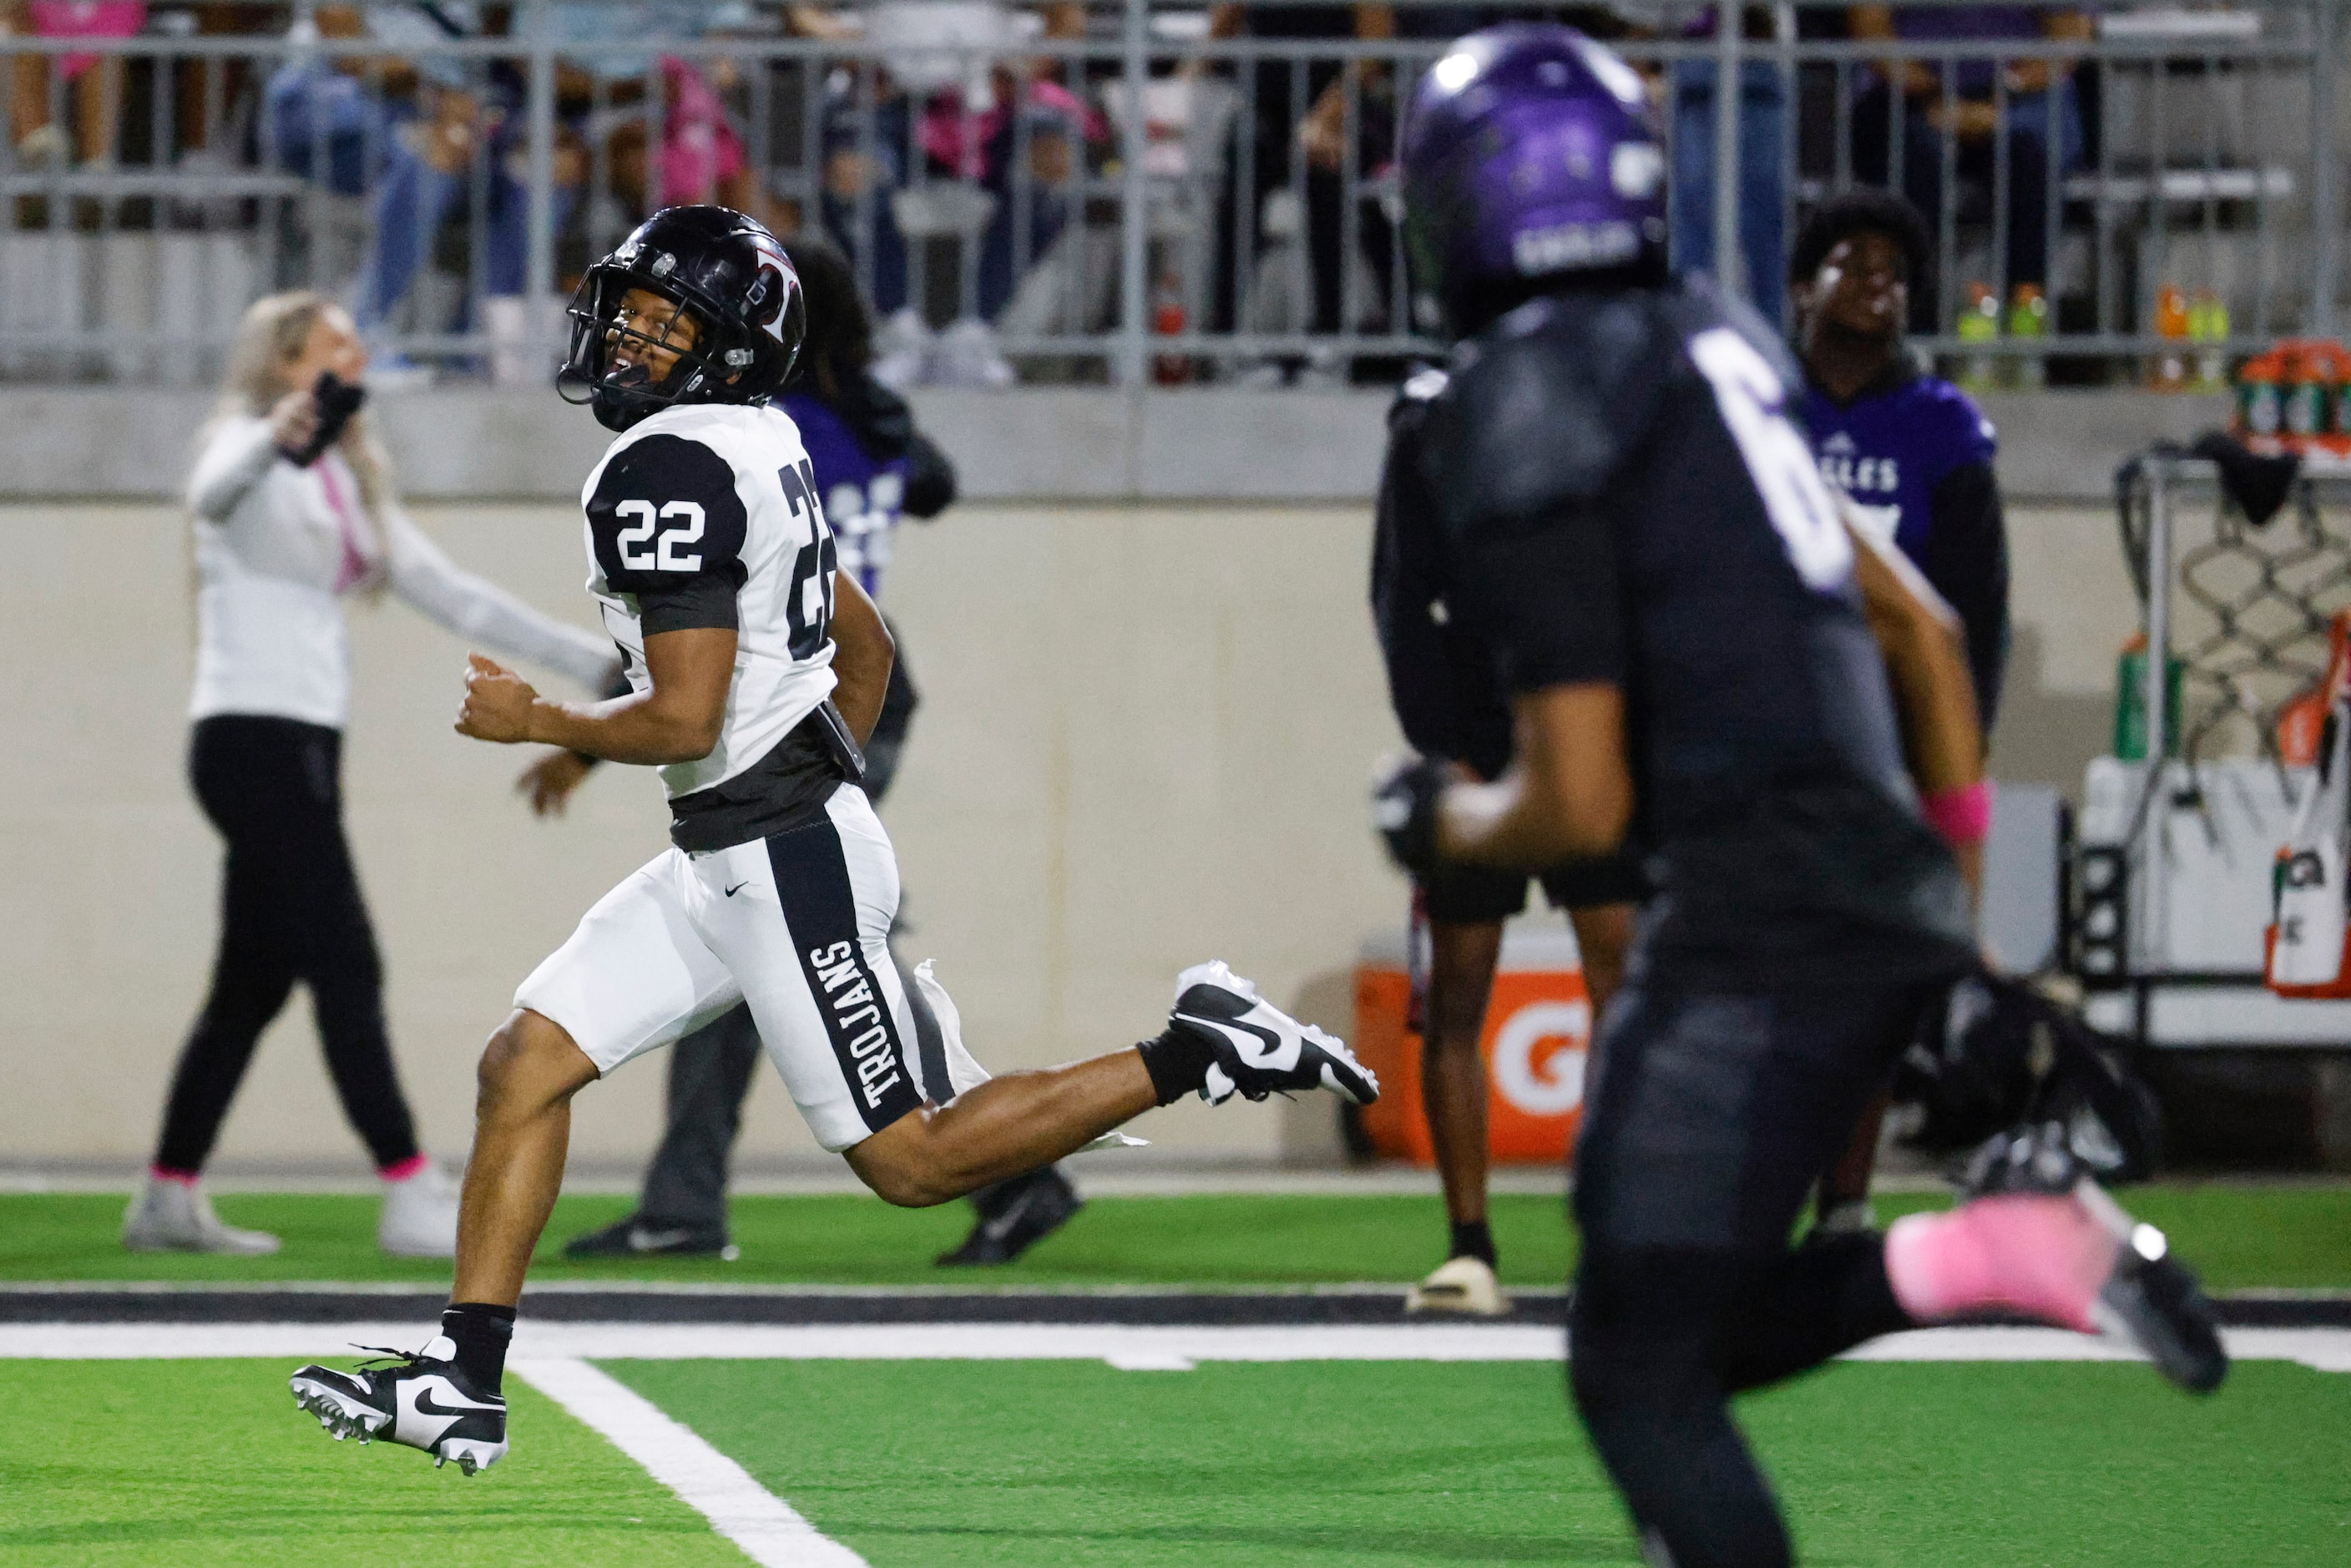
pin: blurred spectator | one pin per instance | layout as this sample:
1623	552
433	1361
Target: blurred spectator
956	113
1763	148
616	80
2041	116
1294	154
91	85
296	510
1297	146
413	132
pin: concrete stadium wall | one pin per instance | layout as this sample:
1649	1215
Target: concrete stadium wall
1143	740
1143	744
1061	445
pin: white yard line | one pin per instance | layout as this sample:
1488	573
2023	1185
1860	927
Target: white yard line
1133	1346
767	1529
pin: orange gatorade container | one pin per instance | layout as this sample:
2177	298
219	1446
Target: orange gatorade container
2309	383
1538	1033
2261	398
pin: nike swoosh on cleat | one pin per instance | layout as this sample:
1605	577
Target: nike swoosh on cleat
998	1229
644	1240
420	1425
1244	1036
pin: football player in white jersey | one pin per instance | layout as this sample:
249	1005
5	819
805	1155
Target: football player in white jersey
758	669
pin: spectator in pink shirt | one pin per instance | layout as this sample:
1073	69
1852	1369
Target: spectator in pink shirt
92	83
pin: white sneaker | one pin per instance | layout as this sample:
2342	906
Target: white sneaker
1464	1285
901	350
420	1216
966	356
174	1217
1260	1050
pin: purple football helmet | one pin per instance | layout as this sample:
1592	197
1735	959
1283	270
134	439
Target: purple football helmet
1529	152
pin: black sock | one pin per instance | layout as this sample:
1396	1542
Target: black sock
1472	1239
1178	1060
480	1331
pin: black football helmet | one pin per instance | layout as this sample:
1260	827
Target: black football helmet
721	269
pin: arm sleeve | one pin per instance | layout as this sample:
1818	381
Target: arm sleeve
479	611
239	456
668	527
1523	453
1967	561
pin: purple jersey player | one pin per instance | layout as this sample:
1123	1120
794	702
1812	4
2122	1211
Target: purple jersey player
1915	455
1911	450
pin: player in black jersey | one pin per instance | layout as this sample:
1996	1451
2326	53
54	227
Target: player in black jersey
1685	624
1449	703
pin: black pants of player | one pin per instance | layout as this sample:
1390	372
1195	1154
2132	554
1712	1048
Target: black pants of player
290	910
1712	1117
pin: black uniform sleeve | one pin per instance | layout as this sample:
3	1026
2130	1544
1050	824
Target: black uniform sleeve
668	528
1967	561
1548	601
1524	451
1404	588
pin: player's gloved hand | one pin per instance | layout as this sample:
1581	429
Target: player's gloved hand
1404	809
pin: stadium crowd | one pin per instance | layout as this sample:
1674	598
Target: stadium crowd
965	155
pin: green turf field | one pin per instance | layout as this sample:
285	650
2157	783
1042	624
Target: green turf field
1898	1466
2238	1234
128	1464
124	1464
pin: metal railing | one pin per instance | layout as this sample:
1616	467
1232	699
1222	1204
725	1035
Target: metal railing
1146	201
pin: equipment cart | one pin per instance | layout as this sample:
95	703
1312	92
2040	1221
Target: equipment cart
2168	890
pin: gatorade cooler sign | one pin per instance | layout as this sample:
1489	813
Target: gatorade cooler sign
1536	1044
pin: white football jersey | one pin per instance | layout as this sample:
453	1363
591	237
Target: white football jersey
707	515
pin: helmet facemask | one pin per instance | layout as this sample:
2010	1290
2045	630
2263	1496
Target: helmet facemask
704	371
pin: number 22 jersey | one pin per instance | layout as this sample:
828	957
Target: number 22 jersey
1625	501
707	515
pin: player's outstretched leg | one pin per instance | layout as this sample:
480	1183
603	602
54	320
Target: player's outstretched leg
1222	1040
2073	1258
447	1398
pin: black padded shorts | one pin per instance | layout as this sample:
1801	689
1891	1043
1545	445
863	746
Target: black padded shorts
1462	895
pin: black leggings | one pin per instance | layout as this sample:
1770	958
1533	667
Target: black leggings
1712	1115
290	910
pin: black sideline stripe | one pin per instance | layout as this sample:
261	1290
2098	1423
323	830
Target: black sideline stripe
820	916
784	1305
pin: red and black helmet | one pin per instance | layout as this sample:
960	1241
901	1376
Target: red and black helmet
727	272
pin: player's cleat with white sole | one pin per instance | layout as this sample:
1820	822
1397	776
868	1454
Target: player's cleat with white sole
421	1400
1460	1286
1260	1050
176	1216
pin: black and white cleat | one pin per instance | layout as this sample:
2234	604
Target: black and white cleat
2154	1302
1260	1048
421	1400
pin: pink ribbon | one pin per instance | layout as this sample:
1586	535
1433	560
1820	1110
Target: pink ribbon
355	567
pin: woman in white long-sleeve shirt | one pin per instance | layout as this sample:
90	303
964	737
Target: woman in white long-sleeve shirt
279	545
